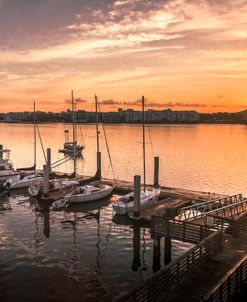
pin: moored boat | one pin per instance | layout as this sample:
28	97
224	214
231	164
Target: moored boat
85	194
6	167
88	193
68	149
125	204
57	188
22	181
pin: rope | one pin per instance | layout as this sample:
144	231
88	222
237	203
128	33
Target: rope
58	162
82	137
150	137
41	144
108	149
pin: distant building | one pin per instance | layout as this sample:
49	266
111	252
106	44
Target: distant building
243	116
121	116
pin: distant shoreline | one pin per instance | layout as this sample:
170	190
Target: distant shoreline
136	123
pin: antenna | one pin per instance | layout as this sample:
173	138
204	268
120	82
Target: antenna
34	136
143	141
73	119
97	121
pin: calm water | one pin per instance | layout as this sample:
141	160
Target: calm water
202	157
85	253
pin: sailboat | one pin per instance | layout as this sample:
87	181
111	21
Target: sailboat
125	204
87	193
68	147
59	186
72	148
22	178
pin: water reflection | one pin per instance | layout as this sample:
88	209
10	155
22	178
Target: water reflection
75	213
86	249
46	229
4	203
136	247
138	262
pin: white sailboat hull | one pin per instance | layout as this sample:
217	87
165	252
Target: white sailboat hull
125	204
56	186
87	196
17	183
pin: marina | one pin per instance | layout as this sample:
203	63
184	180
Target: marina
107	195
194	218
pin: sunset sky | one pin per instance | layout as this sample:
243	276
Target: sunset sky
179	54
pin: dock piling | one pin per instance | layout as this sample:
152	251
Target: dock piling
136	263
99	165
167	249
137	195
156	171
156	254
49	159
46	180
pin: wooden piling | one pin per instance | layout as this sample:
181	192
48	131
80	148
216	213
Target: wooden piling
156	171
46	180
167	250
156	254
137	195
136	247
99	164
48	152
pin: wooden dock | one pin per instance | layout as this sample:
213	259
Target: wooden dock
170	198
206	279
214	269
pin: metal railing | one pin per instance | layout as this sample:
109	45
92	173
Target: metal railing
199	210
163	280
229	285
181	230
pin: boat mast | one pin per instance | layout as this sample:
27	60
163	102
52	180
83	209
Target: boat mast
97	122
34	136
143	143
73	120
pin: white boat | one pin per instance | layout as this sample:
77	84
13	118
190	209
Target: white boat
125	204
6	167
22	181
68	149
88	193
72	148
57	187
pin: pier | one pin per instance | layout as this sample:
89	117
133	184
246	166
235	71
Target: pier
213	269
216	267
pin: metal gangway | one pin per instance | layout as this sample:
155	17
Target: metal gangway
229	211
201	209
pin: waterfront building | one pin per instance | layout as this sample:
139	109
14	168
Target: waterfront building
121	116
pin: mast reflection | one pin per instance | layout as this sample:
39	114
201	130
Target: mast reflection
136	263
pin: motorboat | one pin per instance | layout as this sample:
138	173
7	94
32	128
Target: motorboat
83	194
125	204
22	181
